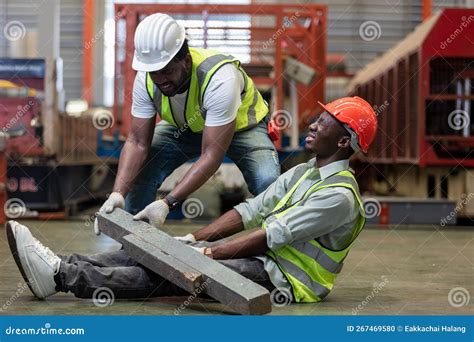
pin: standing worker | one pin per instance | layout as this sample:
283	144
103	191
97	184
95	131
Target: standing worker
209	107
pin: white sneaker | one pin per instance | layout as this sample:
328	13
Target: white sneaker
37	263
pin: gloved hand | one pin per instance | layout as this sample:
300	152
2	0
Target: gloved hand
198	249
207	251
187	239
115	200
155	212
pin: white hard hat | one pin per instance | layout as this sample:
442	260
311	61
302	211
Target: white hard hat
158	39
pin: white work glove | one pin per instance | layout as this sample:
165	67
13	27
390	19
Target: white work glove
203	250
115	200
198	249
155	212
187	239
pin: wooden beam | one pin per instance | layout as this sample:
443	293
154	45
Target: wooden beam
170	268
238	293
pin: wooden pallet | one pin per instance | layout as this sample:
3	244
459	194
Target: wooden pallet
78	139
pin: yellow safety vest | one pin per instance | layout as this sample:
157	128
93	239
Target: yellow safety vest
310	267
205	63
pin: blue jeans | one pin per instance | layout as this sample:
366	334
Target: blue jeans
252	151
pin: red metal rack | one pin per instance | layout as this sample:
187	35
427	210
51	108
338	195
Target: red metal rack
273	32
417	87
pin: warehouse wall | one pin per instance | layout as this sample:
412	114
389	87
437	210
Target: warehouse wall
26	11
395	22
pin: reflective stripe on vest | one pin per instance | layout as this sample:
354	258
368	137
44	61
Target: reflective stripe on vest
310	267
205	63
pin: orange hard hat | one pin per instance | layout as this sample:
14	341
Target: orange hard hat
358	116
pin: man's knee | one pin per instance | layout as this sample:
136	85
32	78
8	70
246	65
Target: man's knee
262	180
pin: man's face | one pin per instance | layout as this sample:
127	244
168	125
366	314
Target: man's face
324	135
174	78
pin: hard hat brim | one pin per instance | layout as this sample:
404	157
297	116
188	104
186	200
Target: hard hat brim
147	67
325	108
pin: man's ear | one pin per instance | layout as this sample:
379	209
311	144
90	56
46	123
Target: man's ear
344	142
188	61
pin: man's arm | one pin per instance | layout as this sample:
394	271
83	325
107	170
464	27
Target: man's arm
134	153
249	245
246	215
228	224
325	211
136	147
215	142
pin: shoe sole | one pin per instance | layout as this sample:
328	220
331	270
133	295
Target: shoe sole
14	250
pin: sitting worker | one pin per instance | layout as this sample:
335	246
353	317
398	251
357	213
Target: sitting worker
209	108
308	219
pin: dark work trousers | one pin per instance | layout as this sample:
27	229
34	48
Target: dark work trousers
116	271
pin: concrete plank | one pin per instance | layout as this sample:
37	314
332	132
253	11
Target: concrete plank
237	292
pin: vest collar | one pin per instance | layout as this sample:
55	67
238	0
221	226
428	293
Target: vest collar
329	169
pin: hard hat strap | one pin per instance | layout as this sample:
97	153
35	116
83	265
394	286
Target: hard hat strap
354	138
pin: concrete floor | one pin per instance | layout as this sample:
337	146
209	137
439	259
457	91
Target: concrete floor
388	272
